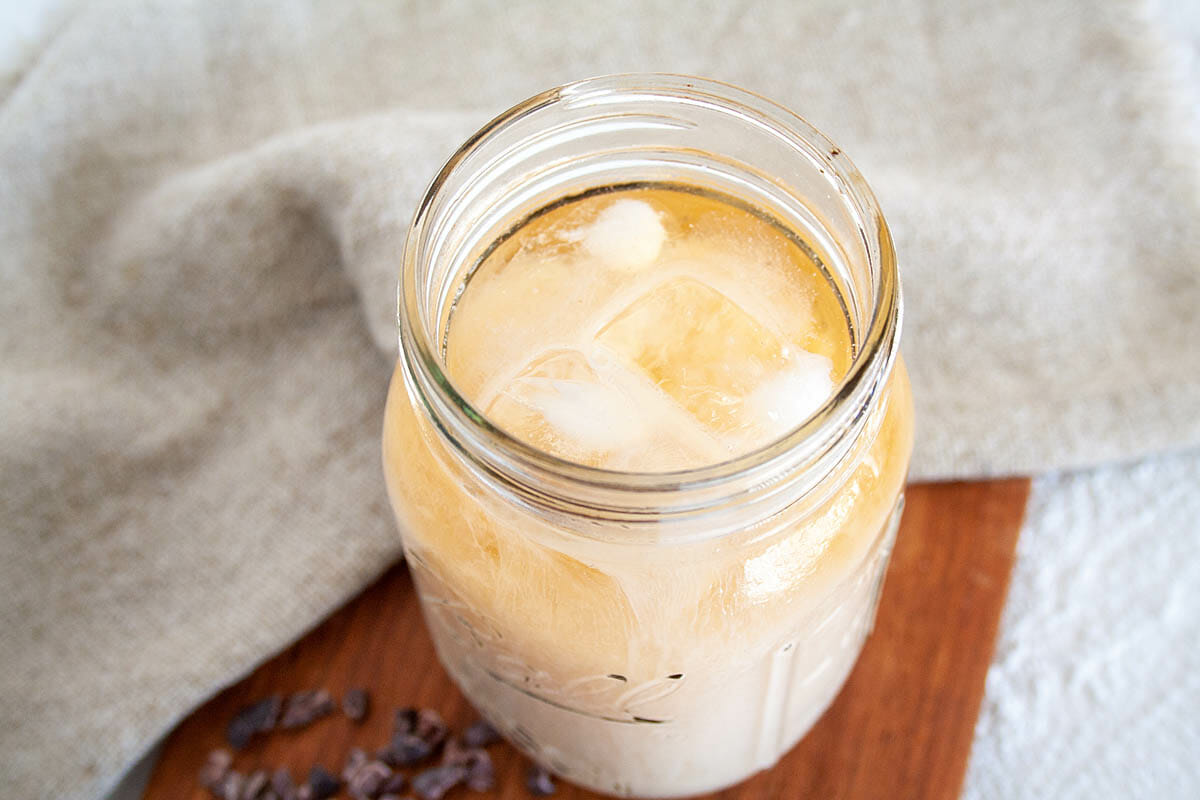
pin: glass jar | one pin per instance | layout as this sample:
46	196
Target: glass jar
649	634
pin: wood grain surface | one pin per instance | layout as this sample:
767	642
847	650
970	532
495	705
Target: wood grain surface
901	728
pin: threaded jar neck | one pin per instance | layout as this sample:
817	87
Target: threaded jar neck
634	129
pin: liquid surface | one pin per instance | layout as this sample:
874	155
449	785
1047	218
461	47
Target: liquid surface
648	329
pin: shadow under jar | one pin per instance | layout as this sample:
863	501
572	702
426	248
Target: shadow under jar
649	430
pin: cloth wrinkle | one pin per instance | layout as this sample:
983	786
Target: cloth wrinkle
202	216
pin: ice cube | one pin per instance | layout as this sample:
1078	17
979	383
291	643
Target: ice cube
559	404
713	358
628	234
792	395
592	409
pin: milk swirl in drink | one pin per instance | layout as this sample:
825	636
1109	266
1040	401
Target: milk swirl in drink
648	328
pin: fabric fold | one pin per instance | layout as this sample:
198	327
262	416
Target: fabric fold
202	208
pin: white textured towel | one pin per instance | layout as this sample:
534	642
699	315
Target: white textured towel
1095	689
201	208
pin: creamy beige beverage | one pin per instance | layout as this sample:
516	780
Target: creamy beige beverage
648	328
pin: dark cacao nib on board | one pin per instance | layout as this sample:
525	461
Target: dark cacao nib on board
405	750
303	708
255	718
215	768
366	780
354	759
393	785
539	782
416	736
405	720
480	734
257	785
355	704
433	784
321	784
230	787
455	752
431	727
282	784
481	774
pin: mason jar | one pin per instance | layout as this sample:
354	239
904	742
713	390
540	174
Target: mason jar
649	634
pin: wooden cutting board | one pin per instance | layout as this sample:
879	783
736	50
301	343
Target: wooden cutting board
901	728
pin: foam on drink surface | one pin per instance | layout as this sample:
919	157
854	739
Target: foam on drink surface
648	330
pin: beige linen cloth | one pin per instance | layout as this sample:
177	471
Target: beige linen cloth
201	212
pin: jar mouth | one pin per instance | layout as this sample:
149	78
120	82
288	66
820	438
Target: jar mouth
534	473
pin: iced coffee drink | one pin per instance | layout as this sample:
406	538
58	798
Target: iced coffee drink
647	481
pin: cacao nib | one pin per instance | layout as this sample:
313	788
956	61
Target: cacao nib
254	718
405	720
480	734
539	782
354	759
366	781
356	703
215	769
405	750
282	784
257	784
230	787
481	775
431	727
433	784
303	708
417	736
393	785
321	784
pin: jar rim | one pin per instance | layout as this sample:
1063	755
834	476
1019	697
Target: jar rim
525	467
